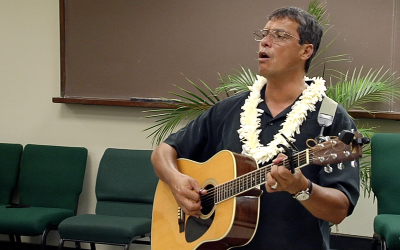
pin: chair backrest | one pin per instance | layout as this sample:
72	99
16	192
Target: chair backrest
10	157
385	171
52	176
126	183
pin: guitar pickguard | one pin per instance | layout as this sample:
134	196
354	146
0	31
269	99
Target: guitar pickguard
197	227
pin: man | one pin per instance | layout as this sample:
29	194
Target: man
286	102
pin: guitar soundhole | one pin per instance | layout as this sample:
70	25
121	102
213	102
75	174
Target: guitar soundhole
207	202
197	227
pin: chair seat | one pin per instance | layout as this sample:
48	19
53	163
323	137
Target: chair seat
30	221
387	226
103	228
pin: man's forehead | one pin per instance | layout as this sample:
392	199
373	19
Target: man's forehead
282	24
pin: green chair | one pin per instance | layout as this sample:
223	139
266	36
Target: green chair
385	176
125	188
49	185
10	157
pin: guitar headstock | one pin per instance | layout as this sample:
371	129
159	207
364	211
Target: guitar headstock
347	146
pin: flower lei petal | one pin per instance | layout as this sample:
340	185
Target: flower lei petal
250	120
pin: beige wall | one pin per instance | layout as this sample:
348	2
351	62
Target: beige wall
30	77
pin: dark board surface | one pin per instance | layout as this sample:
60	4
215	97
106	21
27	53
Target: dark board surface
119	49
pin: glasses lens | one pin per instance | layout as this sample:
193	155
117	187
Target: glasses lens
258	35
278	35
275	35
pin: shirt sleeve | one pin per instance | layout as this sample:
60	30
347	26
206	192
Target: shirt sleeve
190	141
210	132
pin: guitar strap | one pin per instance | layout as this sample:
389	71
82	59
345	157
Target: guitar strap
325	119
327	112
326	115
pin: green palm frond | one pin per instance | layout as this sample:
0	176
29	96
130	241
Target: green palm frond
187	108
317	61
318	10
355	90
237	83
365	163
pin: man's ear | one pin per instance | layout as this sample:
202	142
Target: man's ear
307	52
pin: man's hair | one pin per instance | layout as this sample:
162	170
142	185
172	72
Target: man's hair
310	30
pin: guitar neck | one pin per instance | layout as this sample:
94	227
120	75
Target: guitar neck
256	178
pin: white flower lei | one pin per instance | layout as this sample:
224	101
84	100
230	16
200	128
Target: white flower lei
250	122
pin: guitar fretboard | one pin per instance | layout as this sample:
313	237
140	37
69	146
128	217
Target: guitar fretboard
254	178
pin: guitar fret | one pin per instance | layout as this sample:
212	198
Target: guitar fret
254	178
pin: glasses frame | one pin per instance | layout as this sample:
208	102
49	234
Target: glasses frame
269	33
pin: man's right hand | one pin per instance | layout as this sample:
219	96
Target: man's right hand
186	191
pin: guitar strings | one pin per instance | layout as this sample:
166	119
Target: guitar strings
209	198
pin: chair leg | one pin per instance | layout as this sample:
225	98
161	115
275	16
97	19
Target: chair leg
127	246
77	245
61	244
18	244
375	243
44	239
44	236
92	246
383	244
12	239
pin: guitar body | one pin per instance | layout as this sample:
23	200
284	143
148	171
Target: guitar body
225	225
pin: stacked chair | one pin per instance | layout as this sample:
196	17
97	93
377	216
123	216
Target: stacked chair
10	158
50	181
385	183
125	188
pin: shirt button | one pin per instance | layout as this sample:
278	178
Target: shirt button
271	123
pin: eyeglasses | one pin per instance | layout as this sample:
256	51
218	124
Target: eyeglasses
276	35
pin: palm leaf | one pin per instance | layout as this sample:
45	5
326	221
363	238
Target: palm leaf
318	10
237	83
355	90
365	163
190	106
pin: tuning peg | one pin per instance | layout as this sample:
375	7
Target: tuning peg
353	164
328	169
362	141
340	166
346	153
346	136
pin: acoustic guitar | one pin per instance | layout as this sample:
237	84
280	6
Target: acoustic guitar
229	214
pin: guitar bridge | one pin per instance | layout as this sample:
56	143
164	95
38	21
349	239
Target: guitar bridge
181	220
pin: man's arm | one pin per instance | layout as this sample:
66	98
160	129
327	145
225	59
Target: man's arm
184	188
324	203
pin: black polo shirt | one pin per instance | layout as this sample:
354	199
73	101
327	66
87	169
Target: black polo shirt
284	223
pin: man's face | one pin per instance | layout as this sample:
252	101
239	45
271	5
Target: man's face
277	54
